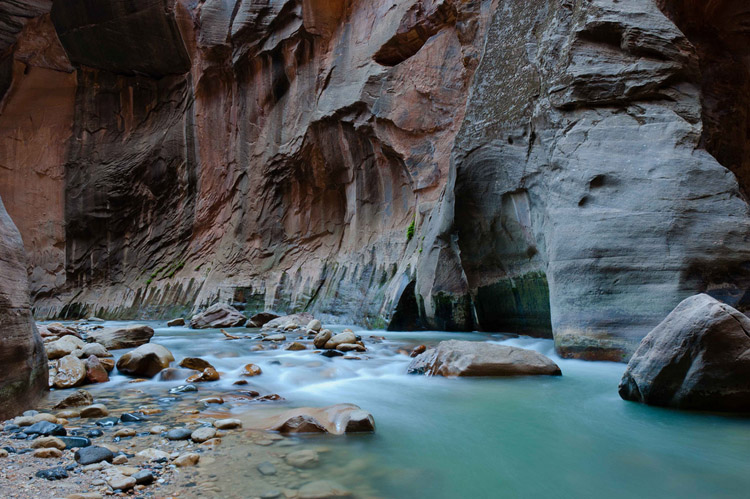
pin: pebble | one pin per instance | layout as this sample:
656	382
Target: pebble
3	453
267	468
121	482
48	452
275	337
179	434
143	477
189	459
125	432
158	429
94	411
183	389
227	424
46	428
111	421
322	489
121	459
202	434
72	442
296	346
92	455
48	442
153	454
303	459
212	400
129	417
57	473
95	433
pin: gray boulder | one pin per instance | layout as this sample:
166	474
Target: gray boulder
216	316
116	338
471	358
697	358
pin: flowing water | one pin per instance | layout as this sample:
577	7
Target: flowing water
568	436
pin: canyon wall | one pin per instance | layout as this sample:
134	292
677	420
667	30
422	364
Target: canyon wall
565	169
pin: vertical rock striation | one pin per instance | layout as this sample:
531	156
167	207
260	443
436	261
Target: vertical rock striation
24	372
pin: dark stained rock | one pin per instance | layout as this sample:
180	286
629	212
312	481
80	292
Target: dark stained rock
473	358
195	363
261	319
179	434
176	322
52	474
72	442
143	477
697	358
93	454
146	360
24	362
116	338
336	419
217	316
45	428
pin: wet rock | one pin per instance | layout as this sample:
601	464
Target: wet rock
108	364
176	322
322	338
323	489
261	319
63	347
130	417
146	360
47	453
418	351
125	433
3	453
95	349
698	358
69	413
71	372
208	374
158	429
48	442
295	347
179	434
335	419
217	316
79	442
275	337
211	400
121	482
116	338
202	434
175	373
351	347
340	339
332	353
251	370
470	358
360	422
93	454
56	473
195	363
183	389
314	325
304	459
188	459
143	477
45	428
107	422
285	320
94	411
95	371
227	424
267	469
119	459
153	454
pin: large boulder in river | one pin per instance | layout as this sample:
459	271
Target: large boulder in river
146	360
23	376
285	320
336	419
216	316
71	371
116	338
64	346
697	358
261	319
473	358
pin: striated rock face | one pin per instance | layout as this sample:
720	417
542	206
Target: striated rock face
24	373
565	169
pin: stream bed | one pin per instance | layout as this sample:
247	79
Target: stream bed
568	436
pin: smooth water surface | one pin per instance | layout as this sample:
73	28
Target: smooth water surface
569	436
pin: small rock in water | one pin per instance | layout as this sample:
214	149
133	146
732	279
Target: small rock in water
94	411
212	400
176	322
322	338
95	349
189	459
195	363
146	360
73	442
332	353
95	433
202	434
275	337
158	429
93	454
79	398
267	468
129	417
251	370
183	389
57	473
179	434
270	494
95	371
208	374
360	422
106	422
323	489
295	347
303	459
125	433
314	325
46	428
227	424
240	382
418	351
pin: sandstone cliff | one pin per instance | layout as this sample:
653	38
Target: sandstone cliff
565	168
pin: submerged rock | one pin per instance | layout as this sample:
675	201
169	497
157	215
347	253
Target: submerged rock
323	489
176	322
116	338
336	419
208	374
217	316
697	358
473	358
146	360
